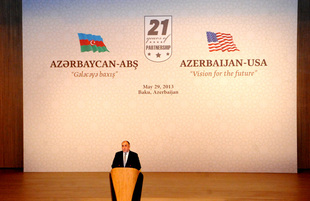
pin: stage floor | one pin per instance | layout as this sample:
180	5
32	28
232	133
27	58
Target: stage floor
95	186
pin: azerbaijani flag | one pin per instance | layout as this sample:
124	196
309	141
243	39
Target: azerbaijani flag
91	42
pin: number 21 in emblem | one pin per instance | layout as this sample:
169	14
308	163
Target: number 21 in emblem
158	37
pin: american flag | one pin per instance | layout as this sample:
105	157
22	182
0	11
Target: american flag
221	41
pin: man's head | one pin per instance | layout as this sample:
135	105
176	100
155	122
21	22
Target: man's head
125	146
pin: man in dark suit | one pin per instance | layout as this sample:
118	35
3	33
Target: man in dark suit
126	158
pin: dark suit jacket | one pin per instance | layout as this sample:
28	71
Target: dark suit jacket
132	161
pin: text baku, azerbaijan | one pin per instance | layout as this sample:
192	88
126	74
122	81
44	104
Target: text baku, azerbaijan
158	92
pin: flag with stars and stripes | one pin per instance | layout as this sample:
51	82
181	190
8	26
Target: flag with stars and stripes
221	41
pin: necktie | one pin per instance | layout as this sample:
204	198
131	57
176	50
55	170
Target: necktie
124	159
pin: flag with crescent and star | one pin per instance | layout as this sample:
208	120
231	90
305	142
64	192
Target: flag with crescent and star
91	42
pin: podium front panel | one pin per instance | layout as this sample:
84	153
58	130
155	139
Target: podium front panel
124	181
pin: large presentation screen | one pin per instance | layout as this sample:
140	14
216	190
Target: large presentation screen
194	86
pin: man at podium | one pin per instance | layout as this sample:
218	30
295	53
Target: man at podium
126	158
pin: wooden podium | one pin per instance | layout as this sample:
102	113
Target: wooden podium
124	181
